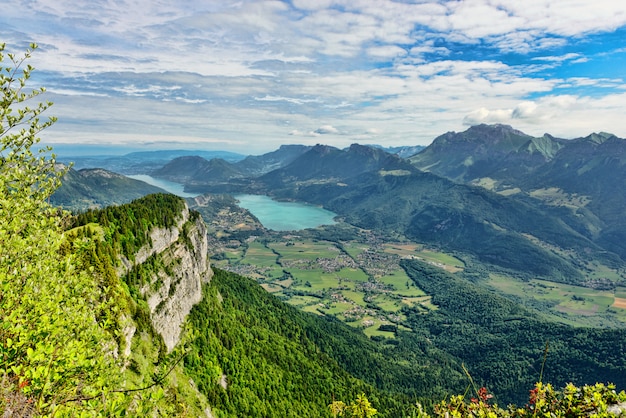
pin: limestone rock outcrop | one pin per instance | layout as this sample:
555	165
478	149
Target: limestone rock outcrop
175	289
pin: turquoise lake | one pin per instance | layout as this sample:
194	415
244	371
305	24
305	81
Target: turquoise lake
279	216
285	216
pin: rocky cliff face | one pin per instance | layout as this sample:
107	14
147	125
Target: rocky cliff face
173	290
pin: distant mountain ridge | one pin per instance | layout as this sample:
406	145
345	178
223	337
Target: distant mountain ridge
584	179
140	162
261	164
326	162
402	151
197	171
568	193
96	188
191	169
496	151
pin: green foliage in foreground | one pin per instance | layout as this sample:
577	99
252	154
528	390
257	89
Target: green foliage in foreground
597	400
62	306
53	324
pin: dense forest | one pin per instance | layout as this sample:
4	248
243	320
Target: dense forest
126	227
502	344
278	361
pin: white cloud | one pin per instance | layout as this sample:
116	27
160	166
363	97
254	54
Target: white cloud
298	101
271	70
386	52
524	110
326	129
483	115
297	132
566	57
566	116
313	4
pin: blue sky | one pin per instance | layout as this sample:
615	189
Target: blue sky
248	76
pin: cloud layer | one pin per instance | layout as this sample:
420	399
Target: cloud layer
250	75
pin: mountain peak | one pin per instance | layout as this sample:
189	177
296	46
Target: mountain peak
598	137
494	133
365	150
496	127
99	173
479	140
323	149
485	151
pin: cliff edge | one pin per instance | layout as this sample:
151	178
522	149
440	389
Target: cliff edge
172	290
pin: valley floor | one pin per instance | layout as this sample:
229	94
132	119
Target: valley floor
357	277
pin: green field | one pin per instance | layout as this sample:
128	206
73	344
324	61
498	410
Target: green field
302	301
407	249
597	271
620	292
577	305
338	308
328	278
400	284
445	261
354	249
308	250
347	279
312	309
373	330
388	303
314	280
233	254
259	255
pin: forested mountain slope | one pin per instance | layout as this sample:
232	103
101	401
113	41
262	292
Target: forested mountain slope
97	188
501	343
397	198
258	356
581	180
192	170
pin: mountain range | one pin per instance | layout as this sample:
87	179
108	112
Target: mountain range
582	180
520	209
491	191
137	162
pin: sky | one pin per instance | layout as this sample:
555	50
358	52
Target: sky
250	75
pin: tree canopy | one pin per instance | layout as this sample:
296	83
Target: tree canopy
53	330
